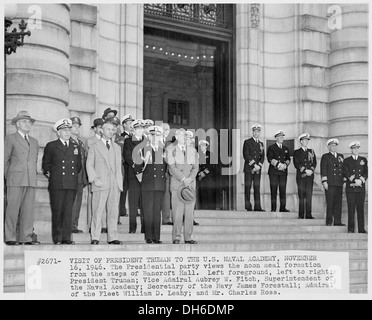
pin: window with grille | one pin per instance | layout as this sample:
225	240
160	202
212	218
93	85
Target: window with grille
178	113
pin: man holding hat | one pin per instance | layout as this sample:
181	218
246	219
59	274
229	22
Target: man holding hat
254	155
183	164
126	122
62	164
83	178
356	173
206	178
331	171
104	167
133	163
20	160
279	159
304	160
153	184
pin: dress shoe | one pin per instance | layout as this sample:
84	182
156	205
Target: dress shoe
31	243
11	243
196	224
132	232
285	210
300	218
191	242
116	242
273	210
363	231
57	243
310	218
350	231
249	209
260	210
340	225
95	242
149	241
158	242
176	242
77	231
68	242
104	230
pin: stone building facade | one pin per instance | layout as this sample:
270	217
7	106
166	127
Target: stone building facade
296	67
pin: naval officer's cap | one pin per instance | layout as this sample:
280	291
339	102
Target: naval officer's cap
156	131
256	127
304	136
126	118
63	124
333	141
354	144
279	133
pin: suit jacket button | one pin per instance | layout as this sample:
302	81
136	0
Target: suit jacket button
63	167
63	173
72	161
73	173
63	161
73	168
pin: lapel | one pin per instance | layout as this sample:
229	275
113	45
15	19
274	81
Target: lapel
22	141
61	146
101	148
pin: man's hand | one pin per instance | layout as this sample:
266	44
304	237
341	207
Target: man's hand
325	185
97	182
257	167
309	172
358	182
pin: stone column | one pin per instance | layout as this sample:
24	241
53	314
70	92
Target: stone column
37	79
120	58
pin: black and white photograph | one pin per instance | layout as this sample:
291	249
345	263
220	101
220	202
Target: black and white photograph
174	151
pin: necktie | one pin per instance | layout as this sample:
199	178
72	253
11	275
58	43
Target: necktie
28	142
107	145
66	146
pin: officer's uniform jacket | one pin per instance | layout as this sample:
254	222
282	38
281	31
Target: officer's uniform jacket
355	169
331	169
62	165
154	172
134	165
253	153
83	176
275	156
304	160
205	165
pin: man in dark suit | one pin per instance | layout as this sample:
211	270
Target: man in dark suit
304	160
331	171
153	184
126	121
109	113
279	159
83	179
134	190
356	174
166	210
62	164
254	155
20	160
206	183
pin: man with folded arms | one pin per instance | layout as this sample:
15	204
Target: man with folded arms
183	167
331	171
356	173
279	159
20	159
105	173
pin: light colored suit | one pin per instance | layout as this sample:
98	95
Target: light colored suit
105	165
180	167
20	169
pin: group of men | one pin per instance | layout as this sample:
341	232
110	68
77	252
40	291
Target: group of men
157	175
335	171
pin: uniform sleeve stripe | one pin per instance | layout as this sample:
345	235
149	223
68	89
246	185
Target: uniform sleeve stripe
324	179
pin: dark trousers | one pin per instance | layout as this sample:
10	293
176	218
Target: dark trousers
250	178
123	200
334	205
207	193
275	182
134	194
355	200
61	202
152	213
77	206
305	194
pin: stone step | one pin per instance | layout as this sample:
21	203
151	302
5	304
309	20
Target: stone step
359	289
255	222
213	214
251	246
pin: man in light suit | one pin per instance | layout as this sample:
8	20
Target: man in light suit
20	159
183	167
105	173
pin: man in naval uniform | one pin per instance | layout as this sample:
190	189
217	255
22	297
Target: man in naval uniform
279	160
356	174
126	122
166	210
83	179
153	184
62	164
134	190
331	171
254	155
20	160
304	160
